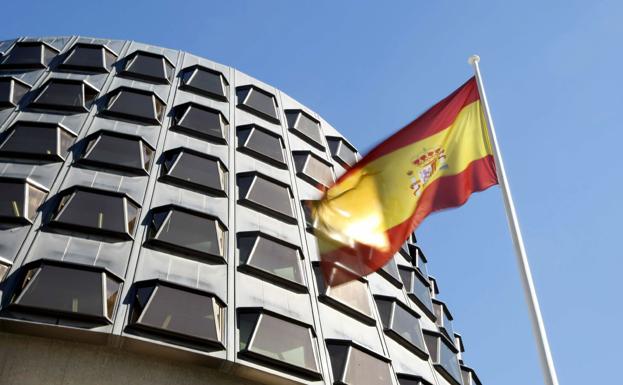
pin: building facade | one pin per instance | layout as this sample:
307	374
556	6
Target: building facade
153	229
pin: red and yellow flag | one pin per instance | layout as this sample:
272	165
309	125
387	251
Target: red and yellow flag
433	163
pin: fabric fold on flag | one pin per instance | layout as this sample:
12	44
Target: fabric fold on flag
435	162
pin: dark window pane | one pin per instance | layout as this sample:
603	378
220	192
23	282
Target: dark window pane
385	306
88	57
135	105
205	81
313	169
182	313
34	140
410	380
258	102
417	289
190	169
262	144
148	66
449	361
390	272
180	231
27	55
68	291
95	211
279	340
19	200
359	367
307	212
200	121
305	126
432	343
65	95
266	194
11	91
407	327
266	255
118	151
341	151
351	297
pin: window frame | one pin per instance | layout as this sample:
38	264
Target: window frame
65	196
37	265
305	155
245	201
112	96
176	338
192	72
392	333
436	358
335	154
106	67
130	58
177	153
95	137
85	86
246	267
13	82
300	134
282	164
25	217
247	353
244	92
58	127
415	274
43	62
349	344
181	110
174	249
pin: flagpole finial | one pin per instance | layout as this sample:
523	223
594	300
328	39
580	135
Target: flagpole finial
473	59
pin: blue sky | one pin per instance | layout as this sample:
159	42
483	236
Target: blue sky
553	76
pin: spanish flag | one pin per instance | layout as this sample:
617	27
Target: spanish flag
435	162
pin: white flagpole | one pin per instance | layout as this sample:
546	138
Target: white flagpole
538	327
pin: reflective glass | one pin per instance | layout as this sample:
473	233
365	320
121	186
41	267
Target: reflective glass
407	326
270	195
303	124
64	290
175	229
183	313
135	105
88	57
312	168
32	140
353	294
342	151
194	170
364	369
202	122
12	196
273	257
284	341
117	152
148	66
204	81
449	361
63	94
25	55
262	144
258	101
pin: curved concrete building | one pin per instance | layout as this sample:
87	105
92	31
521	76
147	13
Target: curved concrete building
153	231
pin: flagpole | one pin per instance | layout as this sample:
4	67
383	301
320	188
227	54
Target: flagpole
538	327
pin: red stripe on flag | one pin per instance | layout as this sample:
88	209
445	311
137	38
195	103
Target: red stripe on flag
445	192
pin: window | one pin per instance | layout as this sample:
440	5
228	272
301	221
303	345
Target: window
88	58
111	150
205	81
258	102
179	313
355	365
419	259
443	356
409	379
186	232
306	127
313	169
36	141
276	340
342	151
201	122
94	211
148	66
418	289
11	91
444	319
307	212
469	376
261	144
271	258
266	194
351	297
19	200
194	170
134	105
402	324
28	55
67	291
65	95
390	272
